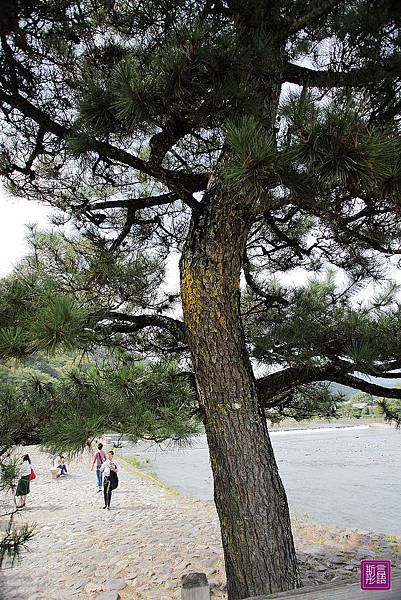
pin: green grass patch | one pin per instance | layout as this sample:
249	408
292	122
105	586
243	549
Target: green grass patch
135	462
136	465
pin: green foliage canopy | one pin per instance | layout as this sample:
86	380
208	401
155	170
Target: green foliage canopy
65	413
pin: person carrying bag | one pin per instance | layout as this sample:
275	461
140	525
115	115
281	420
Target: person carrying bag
27	474
99	459
110	480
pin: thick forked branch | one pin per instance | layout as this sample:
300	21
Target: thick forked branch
126	230
291	377
390	68
130	221
298	250
277	383
133	206
130	323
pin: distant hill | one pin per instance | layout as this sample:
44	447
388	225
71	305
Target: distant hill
341	389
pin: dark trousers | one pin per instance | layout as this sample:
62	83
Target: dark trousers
107	491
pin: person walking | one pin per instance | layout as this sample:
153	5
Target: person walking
110	478
23	487
99	459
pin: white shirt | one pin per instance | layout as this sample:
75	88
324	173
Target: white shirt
106	467
25	468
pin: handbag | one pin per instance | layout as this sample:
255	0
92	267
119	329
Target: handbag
32	475
113	478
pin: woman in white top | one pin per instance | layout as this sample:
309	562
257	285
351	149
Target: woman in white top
110	479
24	481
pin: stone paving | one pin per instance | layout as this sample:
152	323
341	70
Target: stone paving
148	540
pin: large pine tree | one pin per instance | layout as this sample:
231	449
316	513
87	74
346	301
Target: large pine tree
160	124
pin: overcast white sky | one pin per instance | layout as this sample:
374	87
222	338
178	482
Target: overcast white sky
16	214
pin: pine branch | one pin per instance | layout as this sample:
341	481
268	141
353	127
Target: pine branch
366	386
131	323
162	142
311	17
363	77
289	378
292	377
386	375
126	230
335	220
256	288
390	415
183	183
290	242
135	203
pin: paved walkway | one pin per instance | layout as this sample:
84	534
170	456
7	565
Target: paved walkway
146	542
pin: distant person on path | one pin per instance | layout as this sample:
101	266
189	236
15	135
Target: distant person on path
99	459
110	479
23	487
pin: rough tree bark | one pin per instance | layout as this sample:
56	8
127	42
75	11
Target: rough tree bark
249	495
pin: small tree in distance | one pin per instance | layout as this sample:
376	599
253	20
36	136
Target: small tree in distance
160	126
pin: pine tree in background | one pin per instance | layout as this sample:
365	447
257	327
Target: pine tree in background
158	126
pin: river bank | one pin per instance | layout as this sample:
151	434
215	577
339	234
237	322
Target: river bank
343	476
321	423
150	538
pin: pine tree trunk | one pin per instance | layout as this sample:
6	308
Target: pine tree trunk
250	498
